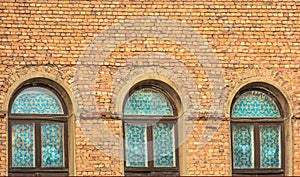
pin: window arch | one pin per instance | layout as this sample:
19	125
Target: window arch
257	129
150	130
147	101
38	130
255	104
37	100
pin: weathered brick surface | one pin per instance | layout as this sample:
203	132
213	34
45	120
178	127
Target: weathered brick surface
3	149
211	157
248	40
296	155
98	148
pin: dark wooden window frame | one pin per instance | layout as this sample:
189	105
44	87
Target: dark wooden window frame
257	122
150	121
38	120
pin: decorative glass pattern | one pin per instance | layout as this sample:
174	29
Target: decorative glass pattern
37	100
23	145
270	156
136	145
243	149
164	147
255	104
52	144
148	102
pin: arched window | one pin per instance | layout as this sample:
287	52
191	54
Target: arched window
257	129
150	130
38	141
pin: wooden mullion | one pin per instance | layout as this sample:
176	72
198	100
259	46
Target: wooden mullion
37	117
257	146
256	120
38	144
150	143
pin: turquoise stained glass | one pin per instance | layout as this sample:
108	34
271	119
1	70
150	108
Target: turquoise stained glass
243	149
52	144
23	150
255	104
270	150
37	100
136	145
148	102
164	147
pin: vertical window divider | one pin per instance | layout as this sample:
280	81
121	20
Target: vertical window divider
38	145
257	146
150	144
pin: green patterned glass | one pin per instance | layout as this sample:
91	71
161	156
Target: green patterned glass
164	147
136	145
37	100
148	102
52	144
255	104
243	146
270	149
23	148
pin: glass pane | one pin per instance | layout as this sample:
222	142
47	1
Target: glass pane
164	145
270	150
136	145
243	146
255	104
37	100
23	149
148	102
52	144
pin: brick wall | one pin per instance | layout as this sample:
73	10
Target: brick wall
206	49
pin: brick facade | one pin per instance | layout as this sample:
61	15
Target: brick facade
97	50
